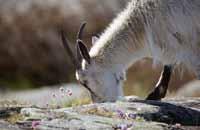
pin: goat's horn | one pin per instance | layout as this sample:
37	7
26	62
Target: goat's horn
79	38
69	51
80	32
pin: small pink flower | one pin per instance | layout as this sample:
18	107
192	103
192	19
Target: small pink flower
35	124
121	114
122	127
178	125
62	89
132	115
68	91
70	94
54	95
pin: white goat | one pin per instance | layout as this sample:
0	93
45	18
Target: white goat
165	30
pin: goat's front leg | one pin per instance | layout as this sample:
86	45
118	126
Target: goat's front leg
160	90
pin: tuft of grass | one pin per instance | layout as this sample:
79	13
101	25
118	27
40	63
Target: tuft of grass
13	119
77	102
64	98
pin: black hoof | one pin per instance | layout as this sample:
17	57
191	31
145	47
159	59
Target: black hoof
160	90
156	94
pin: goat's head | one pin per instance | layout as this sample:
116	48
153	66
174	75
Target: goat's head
102	84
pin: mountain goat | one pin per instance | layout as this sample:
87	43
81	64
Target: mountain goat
164	30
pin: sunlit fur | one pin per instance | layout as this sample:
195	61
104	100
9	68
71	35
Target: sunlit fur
165	30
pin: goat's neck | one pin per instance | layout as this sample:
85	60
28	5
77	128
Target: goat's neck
123	42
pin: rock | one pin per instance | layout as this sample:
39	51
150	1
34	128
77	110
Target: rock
129	113
7	126
66	119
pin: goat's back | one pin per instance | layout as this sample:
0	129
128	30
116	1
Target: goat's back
173	28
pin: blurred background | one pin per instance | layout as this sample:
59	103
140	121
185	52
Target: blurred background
32	56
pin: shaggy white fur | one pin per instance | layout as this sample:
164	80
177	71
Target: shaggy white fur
165	30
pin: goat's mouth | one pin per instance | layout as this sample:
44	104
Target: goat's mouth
95	97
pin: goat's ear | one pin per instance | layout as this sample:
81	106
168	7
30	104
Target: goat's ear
83	51
94	39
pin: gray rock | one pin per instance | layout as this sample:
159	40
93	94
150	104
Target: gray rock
7	126
130	113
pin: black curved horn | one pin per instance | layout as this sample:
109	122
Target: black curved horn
80	32
81	48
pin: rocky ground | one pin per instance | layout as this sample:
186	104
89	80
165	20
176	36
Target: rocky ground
129	113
